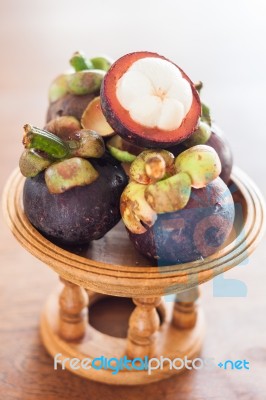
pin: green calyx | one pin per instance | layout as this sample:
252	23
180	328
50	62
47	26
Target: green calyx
151	166
31	163
121	155
102	62
155	188
78	83
201	163
64	127
135	210
80	142
205	114
63	160
115	147
205	110
84	143
201	135
161	184
87	143
86	78
169	195
85	82
39	139
79	62
69	173
58	88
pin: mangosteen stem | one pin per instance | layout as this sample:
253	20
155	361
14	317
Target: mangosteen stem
199	86
205	114
79	62
200	136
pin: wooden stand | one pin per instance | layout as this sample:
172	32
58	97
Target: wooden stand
111	267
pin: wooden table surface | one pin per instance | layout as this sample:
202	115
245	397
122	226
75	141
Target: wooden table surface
220	43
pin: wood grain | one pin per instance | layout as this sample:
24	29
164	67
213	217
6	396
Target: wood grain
150	336
73	315
144	324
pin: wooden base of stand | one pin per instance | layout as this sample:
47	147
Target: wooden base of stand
175	334
170	342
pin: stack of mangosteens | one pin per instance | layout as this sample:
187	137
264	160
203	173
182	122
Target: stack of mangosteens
165	169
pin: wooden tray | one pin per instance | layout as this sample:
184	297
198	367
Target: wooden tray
112	266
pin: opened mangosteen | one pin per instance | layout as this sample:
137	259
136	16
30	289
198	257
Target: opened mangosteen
177	209
206	133
73	188
149	101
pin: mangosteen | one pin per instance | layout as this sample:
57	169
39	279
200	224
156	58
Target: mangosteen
194	232
73	188
179	210
149	101
71	92
81	214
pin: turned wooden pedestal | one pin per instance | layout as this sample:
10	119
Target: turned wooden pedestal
111	267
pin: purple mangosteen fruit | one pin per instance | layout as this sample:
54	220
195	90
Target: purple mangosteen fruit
80	214
177	209
73	188
198	230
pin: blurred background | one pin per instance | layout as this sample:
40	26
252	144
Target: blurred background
220	43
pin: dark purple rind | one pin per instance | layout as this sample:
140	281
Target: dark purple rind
81	214
221	145
185	236
178	149
69	104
